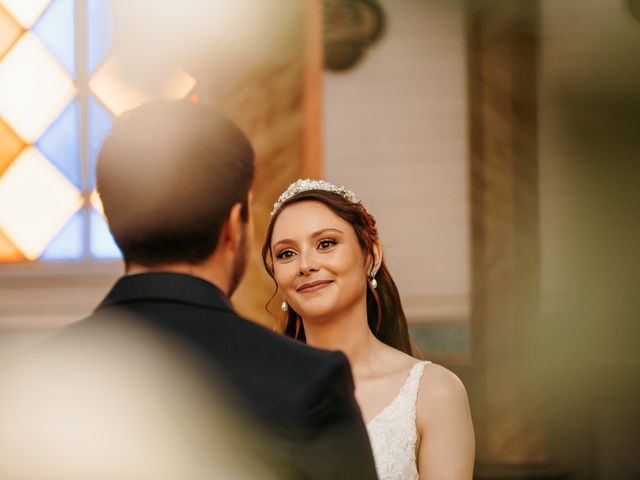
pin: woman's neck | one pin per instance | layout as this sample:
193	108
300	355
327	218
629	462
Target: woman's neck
348	332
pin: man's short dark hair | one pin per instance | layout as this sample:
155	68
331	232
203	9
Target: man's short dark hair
168	175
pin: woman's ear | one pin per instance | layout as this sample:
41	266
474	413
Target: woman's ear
376	261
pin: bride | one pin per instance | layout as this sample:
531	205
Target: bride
323	252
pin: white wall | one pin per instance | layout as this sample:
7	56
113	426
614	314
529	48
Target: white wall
395	132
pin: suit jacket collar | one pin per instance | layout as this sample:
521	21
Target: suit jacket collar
166	287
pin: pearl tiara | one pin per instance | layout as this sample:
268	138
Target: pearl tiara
309	184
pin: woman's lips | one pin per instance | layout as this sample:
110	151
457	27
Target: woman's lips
313	286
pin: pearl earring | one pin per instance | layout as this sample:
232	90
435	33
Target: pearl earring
372	281
283	306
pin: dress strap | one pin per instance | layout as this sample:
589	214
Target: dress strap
413	382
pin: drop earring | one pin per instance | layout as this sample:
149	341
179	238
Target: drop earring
372	280
283	306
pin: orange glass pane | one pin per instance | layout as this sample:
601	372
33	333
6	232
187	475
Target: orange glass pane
8	251
10	30
10	146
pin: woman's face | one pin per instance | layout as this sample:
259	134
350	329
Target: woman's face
317	261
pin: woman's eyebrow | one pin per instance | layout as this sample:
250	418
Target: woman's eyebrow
286	241
319	233
324	231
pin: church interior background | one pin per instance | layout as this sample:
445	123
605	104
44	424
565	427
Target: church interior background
496	143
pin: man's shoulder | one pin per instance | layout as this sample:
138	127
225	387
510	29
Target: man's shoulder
225	333
291	357
303	393
294	347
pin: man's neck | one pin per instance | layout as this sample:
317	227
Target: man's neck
205	270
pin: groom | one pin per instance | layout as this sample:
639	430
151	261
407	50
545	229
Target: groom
175	181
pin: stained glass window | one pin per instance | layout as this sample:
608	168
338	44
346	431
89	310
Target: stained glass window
60	89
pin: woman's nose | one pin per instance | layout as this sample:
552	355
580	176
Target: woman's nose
308	263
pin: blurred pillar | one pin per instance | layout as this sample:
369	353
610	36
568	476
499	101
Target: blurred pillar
272	88
506	399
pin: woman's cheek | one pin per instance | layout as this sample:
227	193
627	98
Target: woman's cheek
284	276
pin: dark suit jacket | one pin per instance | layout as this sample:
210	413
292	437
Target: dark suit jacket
303	395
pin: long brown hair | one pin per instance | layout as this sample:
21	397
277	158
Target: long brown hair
385	315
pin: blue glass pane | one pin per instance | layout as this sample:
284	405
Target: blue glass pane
101	242
56	29
61	144
67	244
100	32
99	124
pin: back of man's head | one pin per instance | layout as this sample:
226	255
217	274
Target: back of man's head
168	175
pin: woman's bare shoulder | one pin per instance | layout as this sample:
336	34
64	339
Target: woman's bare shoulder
445	430
441	389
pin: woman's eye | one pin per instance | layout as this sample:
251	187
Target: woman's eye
324	244
285	254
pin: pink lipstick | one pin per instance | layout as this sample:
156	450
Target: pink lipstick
313	286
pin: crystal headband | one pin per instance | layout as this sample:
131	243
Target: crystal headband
307	185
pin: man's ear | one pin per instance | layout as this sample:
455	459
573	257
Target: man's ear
376	261
233	227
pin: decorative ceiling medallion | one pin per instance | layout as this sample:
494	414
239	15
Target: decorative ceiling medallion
350	27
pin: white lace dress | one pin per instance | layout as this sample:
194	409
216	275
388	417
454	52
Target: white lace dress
393	432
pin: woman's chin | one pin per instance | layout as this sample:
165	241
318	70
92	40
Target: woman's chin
318	313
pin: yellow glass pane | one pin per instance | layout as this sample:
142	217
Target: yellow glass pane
8	251
178	85
39	88
116	94
26	11
10	146
95	201
119	96
10	30
36	200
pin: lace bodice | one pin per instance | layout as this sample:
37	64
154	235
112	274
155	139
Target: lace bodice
393	432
